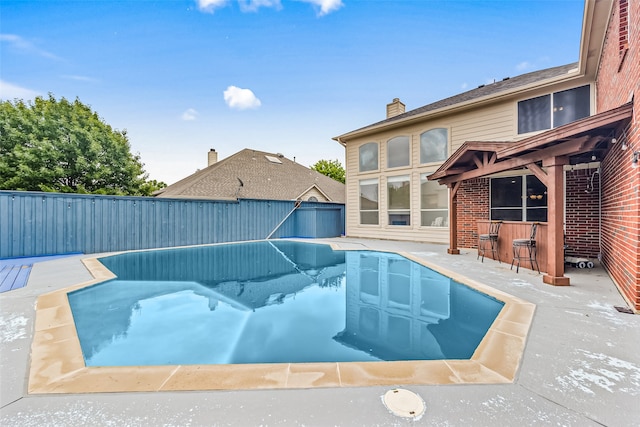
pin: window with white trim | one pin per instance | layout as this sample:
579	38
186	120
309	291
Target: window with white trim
368	157
434	146
434	203
398	152
399	200
369	201
553	110
518	198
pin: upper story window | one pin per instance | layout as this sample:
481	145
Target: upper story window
553	110
434	145
398	152
518	198
368	157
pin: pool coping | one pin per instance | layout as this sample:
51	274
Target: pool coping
57	364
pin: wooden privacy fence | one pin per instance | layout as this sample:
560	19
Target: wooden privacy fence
34	223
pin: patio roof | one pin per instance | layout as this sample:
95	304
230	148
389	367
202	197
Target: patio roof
573	143
578	141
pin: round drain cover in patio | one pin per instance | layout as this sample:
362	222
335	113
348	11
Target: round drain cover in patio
404	403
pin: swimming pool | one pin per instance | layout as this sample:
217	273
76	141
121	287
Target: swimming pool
275	302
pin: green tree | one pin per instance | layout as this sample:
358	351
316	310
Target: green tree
62	146
331	168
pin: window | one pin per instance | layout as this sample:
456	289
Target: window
399	279
368	157
434	145
398	152
434	203
399	198
312	199
570	105
369	201
518	198
556	109
623	26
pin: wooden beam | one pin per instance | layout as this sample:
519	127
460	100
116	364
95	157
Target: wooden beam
539	173
453	219
479	163
569	130
575	146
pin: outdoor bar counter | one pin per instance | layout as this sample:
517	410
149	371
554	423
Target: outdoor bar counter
510	230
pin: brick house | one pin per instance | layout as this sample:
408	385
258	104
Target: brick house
557	147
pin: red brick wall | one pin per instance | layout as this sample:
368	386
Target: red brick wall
582	212
618	81
473	204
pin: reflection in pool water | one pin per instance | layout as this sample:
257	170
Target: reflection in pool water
270	302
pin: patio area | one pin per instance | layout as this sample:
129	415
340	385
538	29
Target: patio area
581	364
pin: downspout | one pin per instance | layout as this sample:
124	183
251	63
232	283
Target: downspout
599	213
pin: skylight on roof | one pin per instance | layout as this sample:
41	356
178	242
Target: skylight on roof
273	159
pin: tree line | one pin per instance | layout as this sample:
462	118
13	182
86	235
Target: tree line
63	146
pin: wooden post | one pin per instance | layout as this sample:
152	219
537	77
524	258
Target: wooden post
453	218
555	231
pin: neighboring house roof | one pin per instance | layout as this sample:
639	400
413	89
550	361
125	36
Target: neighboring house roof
482	92
261	178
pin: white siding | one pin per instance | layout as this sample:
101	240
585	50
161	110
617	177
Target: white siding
496	122
315	193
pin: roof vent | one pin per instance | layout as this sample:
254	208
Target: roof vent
273	159
506	78
480	86
280	155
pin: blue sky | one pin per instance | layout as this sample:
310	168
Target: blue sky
184	76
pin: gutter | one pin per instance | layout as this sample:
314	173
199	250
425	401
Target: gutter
450	109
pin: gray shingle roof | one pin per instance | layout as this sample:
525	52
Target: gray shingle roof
480	92
261	179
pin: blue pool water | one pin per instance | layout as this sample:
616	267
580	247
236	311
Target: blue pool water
275	301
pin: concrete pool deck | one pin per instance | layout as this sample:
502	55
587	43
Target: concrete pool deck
580	366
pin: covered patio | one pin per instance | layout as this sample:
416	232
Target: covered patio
544	155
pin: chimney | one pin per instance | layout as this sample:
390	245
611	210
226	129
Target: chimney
212	157
395	108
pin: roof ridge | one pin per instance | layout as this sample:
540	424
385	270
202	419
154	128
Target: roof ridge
478	92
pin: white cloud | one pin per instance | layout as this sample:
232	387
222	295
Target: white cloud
25	46
326	6
9	92
524	65
464	85
189	115
240	99
210	5
254	5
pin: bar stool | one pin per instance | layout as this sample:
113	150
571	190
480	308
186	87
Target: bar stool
492	239
526	249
